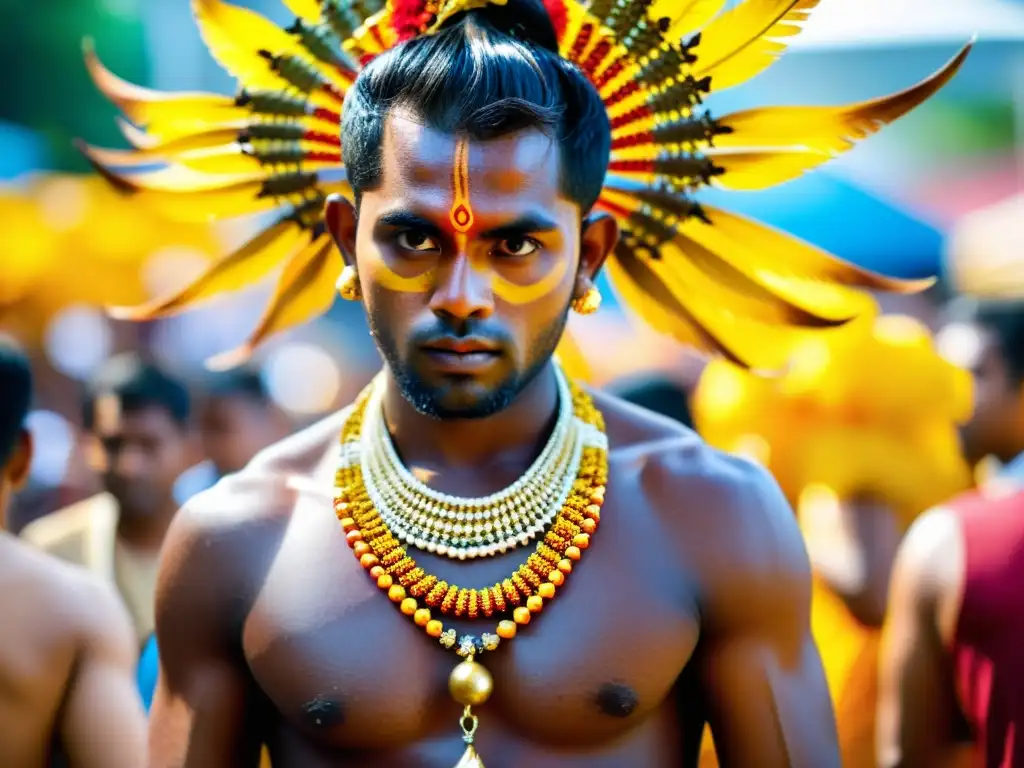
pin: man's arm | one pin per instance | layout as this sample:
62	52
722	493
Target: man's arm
201	714
102	724
768	702
852	544
917	705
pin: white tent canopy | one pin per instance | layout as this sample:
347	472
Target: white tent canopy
837	24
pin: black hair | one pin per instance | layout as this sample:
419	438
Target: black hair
237	383
658	394
488	73
137	385
15	396
1004	320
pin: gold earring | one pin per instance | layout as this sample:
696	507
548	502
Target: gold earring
588	303
348	284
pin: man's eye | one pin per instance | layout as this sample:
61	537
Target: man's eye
518	246
416	241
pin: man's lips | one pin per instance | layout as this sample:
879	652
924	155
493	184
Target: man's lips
467	346
461	356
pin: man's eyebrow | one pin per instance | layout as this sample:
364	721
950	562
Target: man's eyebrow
408	220
524	225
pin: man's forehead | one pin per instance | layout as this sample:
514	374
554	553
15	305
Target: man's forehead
415	153
111	418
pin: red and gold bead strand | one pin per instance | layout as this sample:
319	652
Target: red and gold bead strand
524	592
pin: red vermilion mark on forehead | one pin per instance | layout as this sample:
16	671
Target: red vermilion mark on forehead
461	216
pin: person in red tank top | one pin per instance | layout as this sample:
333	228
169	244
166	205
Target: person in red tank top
952	666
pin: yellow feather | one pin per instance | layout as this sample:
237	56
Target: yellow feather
830	129
185	195
305	290
143	105
763	168
748	39
698	316
640	291
180	180
245	267
147	145
829	301
791	254
687	16
184	126
230	159
307	10
689	270
573	361
234	37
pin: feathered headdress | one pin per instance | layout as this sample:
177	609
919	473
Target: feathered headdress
707	277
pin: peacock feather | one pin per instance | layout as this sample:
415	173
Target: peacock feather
712	279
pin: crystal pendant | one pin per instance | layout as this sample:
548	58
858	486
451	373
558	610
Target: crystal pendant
470	759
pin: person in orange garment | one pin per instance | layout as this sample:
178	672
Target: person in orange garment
861	433
67	650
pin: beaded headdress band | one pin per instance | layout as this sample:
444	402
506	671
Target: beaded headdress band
709	278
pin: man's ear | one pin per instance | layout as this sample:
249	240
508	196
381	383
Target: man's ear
20	463
598	240
342	223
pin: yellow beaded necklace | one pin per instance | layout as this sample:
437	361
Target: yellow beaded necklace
523	594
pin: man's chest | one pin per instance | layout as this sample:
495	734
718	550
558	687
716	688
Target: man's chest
339	661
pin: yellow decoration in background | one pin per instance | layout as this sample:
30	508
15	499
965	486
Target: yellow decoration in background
74	240
871	410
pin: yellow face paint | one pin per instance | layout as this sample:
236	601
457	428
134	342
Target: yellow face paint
395	282
514	293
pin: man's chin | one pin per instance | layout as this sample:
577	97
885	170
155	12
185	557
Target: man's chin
456	398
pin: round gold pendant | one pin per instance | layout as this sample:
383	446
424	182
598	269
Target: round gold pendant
470	684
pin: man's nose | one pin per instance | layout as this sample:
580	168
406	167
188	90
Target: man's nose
464	290
128	462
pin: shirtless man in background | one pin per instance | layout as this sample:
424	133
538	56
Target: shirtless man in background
67	650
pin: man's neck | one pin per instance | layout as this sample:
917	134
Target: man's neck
514	435
145	531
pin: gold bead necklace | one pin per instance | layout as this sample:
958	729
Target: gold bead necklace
524	594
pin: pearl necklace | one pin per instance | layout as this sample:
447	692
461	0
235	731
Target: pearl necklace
466	528
422	596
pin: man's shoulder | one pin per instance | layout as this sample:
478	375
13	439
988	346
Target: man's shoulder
264	488
217	527
66	595
693	484
724	515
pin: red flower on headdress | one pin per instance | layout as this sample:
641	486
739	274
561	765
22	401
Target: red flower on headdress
559	16
409	18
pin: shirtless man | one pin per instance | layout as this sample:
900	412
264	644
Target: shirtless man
690	607
951	662
67	650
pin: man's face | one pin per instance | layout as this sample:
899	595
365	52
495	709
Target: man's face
467	255
997	424
14	473
141	452
234	429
